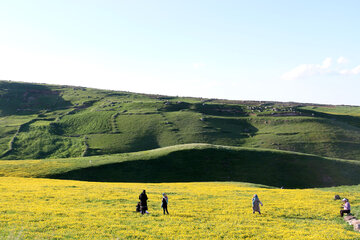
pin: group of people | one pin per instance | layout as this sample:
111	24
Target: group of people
256	205
142	205
143	208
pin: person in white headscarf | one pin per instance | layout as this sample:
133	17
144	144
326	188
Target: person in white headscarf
255	204
346	206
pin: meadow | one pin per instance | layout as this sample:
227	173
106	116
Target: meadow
62	209
198	151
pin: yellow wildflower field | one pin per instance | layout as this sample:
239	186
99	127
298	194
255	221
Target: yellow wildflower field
62	209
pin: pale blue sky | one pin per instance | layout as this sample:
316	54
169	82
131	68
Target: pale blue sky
305	51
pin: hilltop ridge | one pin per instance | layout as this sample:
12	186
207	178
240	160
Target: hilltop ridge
40	121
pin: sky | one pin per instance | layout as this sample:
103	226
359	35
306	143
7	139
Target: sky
279	50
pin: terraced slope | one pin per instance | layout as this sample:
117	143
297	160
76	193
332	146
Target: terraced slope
44	121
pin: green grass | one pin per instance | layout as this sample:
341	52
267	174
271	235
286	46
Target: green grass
85	123
116	122
38	142
194	163
340	110
307	134
4	144
348	192
335	113
26	98
135	133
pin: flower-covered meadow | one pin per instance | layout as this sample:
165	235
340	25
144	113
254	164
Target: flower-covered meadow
59	209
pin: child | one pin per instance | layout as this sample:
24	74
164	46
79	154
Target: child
138	207
164	203
255	204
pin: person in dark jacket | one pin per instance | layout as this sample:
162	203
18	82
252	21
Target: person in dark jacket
143	202
164	203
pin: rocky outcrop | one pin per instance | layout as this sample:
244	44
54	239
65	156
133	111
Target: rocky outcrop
351	220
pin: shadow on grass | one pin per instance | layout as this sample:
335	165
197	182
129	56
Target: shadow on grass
28	98
262	167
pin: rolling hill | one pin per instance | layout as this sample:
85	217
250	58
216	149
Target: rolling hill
101	135
195	163
44	121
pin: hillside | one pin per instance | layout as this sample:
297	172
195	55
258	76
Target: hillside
209	155
45	121
196	163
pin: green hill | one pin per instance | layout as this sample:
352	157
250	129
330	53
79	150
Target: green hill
45	121
100	135
194	163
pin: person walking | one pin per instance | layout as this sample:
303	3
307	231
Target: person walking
346	206
164	203
255	204
143	202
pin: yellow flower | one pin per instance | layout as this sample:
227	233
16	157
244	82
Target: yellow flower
60	209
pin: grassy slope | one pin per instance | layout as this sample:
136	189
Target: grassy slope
338	110
349	192
85	121
196	162
307	134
